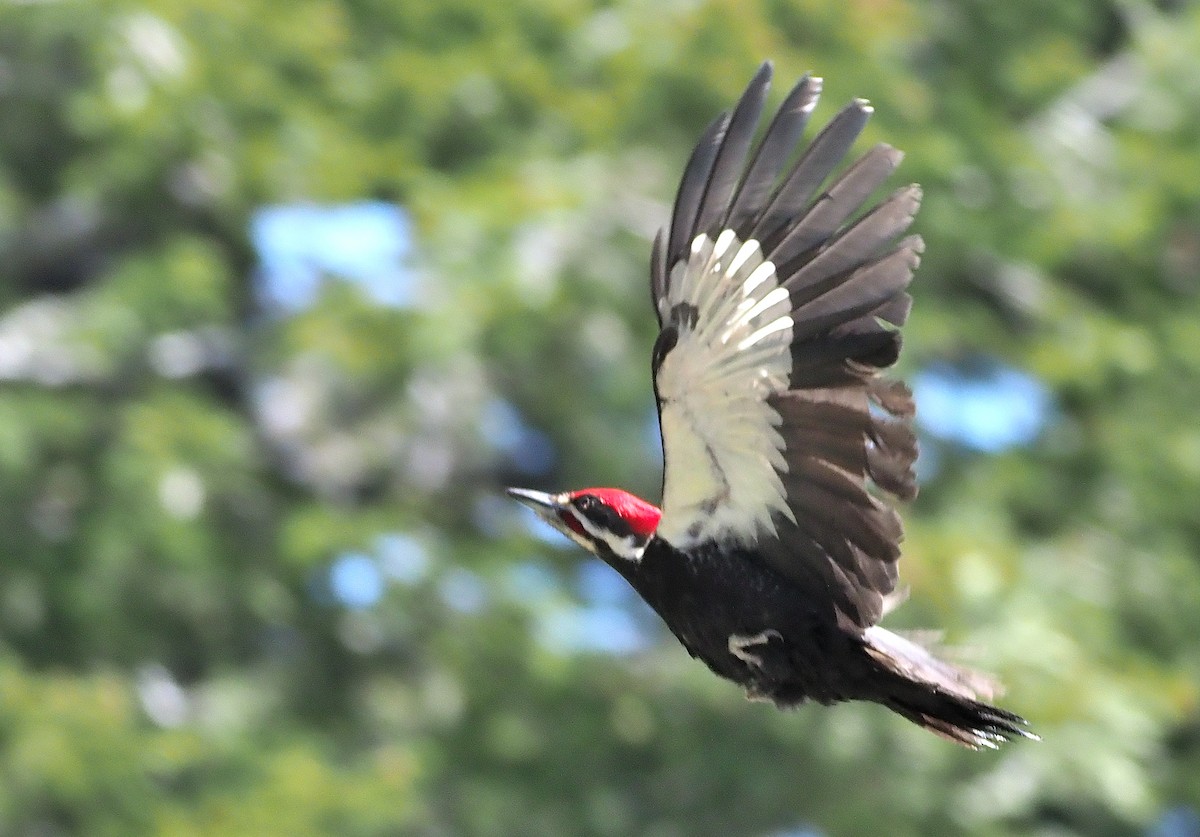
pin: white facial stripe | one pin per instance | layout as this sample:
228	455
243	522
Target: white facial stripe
630	548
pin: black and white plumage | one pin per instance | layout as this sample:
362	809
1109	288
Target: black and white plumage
780	301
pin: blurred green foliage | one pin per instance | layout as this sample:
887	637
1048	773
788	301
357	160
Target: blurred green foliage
180	467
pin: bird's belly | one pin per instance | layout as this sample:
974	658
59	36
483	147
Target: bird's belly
750	626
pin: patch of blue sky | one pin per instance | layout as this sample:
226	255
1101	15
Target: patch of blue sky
985	406
603	629
528	449
366	242
1176	821
402	557
493	513
463	590
599	584
355	580
651	438
929	460
529	582
800	831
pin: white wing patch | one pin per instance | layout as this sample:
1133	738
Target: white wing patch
722	450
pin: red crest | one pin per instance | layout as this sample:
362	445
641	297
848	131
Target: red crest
641	516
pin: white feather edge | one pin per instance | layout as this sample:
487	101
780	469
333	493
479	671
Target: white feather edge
722	449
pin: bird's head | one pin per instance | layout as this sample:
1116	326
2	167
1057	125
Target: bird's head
608	522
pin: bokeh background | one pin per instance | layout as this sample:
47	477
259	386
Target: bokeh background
290	290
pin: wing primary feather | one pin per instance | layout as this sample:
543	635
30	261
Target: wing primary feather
823	362
890	458
853	247
818	160
895	311
871	339
838	203
774	151
731	158
893	396
866	289
691	189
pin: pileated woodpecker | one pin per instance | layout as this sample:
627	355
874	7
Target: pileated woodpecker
773	555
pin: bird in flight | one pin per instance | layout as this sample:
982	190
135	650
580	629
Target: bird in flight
780	302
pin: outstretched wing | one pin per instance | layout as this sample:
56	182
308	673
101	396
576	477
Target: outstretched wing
779	309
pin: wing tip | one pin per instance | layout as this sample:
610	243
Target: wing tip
915	246
889	152
810	87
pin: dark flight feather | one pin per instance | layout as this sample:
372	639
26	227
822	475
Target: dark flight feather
773	153
809	274
838	203
731	155
691	191
815	164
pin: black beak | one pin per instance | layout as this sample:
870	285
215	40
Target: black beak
545	506
539	501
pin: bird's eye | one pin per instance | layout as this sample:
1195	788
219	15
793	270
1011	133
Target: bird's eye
586	503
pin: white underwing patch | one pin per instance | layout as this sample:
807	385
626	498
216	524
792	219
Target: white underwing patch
722	449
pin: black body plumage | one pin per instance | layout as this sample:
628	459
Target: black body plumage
753	626
710	593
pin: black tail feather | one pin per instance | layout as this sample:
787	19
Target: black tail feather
971	723
945	699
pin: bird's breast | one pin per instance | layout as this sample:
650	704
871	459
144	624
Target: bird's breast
707	596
